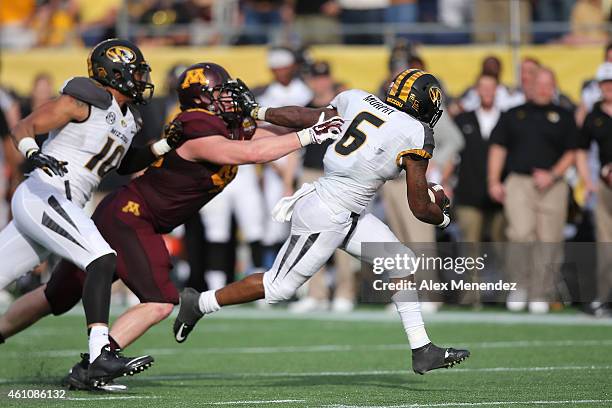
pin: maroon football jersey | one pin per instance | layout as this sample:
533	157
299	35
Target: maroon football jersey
173	189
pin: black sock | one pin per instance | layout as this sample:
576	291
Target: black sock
1	338
97	289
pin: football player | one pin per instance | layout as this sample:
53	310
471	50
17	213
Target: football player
379	139
217	137
91	126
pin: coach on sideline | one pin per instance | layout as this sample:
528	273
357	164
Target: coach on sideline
534	143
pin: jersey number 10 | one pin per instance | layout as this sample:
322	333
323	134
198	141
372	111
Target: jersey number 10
110	162
354	138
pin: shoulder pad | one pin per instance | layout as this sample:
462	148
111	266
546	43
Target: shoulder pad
88	91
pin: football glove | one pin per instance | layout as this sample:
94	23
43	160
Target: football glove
321	131
48	164
446	213
174	133
246	99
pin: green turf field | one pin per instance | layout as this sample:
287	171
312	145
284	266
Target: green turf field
246	358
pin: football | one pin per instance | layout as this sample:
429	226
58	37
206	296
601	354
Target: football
436	194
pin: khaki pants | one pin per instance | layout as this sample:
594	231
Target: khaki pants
402	222
603	220
497	12
345	264
538	218
473	222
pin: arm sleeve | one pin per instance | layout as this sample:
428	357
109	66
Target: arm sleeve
136	159
88	91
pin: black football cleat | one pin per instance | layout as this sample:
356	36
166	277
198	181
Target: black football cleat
188	315
77	379
111	364
431	357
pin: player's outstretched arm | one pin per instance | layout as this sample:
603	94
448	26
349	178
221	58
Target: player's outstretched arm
220	150
418	197
292	116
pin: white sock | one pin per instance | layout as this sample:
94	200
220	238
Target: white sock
215	279
208	302
410	313
98	338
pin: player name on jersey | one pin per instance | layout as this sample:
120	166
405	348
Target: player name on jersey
379	105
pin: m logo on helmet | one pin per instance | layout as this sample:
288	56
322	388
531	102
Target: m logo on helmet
121	54
194	76
435	95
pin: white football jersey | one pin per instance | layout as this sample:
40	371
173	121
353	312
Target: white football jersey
93	147
375	138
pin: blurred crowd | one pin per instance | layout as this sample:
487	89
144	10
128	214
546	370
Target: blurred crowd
29	23
521	164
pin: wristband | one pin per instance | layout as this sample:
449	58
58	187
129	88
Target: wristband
160	147
304	137
26	145
445	222
259	113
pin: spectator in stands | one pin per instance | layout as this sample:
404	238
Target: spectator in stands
588	21
402	13
97	19
479	217
598	128
263	19
551	11
56	22
324	89
361	20
492	20
535	144
16	24
591	92
166	20
316	21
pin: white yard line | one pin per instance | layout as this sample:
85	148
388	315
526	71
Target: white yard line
285	401
478	404
335	348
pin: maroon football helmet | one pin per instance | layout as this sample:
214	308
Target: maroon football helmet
209	86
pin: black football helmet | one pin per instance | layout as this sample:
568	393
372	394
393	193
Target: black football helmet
120	65
417	93
209	86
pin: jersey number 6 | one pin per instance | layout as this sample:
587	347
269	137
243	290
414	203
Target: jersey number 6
353	137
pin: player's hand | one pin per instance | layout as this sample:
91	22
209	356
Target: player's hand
246	99
173	133
497	192
446	213
322	130
48	164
